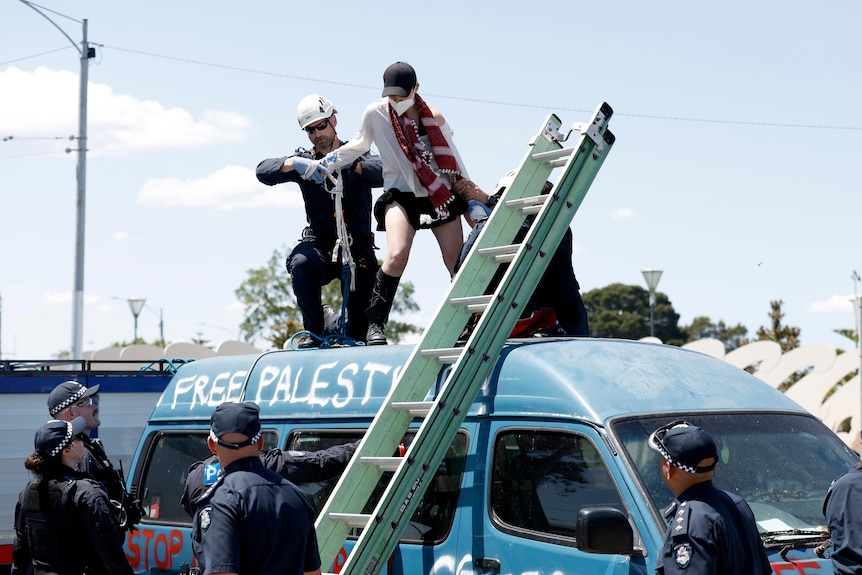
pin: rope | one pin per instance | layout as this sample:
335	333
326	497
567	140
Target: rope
341	251
330	341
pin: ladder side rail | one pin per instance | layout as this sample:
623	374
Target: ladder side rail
434	437
358	481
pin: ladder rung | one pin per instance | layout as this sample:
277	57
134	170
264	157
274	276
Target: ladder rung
501	254
359	520
553	154
472	303
526	202
444	354
383	463
414	408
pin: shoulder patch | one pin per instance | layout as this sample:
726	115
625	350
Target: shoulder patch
682	555
679	521
205	517
102	505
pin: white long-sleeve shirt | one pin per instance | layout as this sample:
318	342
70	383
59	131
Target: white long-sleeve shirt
376	128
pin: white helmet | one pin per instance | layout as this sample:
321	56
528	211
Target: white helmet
313	108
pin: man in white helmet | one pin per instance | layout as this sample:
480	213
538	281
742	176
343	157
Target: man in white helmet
310	263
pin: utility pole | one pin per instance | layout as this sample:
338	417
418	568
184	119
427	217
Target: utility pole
86	52
857	314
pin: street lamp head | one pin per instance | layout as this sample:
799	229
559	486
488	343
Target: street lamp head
652	276
136	305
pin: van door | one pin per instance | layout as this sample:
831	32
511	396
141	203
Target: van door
428	543
535	480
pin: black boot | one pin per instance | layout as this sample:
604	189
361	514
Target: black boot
382	297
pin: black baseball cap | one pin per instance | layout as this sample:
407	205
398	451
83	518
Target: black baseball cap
399	79
684	445
67	394
55	435
231	417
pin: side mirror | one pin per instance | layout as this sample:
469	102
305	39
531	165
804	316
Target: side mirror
604	530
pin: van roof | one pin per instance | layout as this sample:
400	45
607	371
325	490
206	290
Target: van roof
586	378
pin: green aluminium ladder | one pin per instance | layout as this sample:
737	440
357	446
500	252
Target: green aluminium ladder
470	291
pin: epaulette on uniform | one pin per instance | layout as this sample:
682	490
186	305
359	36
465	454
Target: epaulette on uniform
680	520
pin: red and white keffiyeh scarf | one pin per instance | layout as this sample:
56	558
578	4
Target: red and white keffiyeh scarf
420	156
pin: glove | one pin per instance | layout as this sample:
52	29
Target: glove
331	158
310	169
301	164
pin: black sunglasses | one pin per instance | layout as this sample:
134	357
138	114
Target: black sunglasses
318	127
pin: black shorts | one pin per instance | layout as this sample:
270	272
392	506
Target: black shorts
416	208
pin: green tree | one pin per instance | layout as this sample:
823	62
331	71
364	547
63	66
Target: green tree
272	314
622	311
702	327
785	336
848	333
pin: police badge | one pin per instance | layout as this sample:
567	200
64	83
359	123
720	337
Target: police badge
682	554
206	517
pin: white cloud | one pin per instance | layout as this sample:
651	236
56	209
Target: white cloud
835	304
65	297
121	236
622	214
229	188
234	306
44	103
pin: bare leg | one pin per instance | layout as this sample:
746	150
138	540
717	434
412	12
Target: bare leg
399	240
450	239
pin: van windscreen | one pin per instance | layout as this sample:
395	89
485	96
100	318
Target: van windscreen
782	464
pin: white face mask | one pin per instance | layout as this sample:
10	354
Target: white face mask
403	105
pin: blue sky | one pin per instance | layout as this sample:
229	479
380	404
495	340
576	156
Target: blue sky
736	167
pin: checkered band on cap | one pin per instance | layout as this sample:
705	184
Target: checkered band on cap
67	439
701	448
229	445
68	402
680	465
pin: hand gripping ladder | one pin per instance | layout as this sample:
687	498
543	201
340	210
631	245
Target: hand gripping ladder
471	364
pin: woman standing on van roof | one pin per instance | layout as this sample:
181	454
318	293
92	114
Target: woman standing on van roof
420	166
63	521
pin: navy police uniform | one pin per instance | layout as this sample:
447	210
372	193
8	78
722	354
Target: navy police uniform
711	531
310	263
258	522
845	523
298	467
65	526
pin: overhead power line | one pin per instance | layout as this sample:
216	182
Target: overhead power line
486	101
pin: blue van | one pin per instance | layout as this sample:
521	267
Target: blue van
561	425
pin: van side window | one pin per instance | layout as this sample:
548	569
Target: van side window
433	519
169	456
541	479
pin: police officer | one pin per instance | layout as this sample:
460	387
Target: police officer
710	530
69	400
841	509
256	521
298	467
310	263
63	521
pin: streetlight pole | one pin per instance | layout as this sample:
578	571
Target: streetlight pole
136	305
86	52
652	276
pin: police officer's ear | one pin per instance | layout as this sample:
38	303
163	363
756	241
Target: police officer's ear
211	444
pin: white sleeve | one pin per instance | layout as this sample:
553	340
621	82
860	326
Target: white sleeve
360	143
447	134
